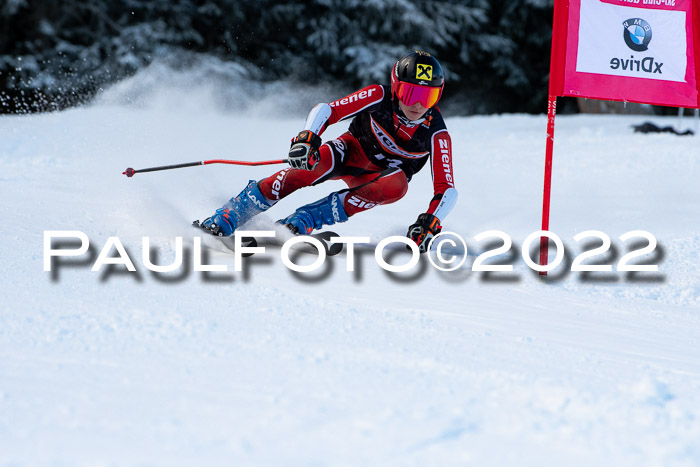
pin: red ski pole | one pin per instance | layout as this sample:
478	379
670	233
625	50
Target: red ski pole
130	172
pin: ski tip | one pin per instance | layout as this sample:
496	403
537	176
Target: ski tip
332	249
129	172
212	229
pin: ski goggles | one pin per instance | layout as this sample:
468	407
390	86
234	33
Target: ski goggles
409	94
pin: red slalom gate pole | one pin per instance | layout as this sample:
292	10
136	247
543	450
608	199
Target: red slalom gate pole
544	241
130	172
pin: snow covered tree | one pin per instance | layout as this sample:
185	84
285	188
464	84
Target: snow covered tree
518	53
57	53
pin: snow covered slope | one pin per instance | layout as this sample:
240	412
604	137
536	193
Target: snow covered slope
269	367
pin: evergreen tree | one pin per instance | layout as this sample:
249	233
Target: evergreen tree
57	53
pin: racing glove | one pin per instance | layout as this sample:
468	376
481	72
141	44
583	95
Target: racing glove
304	151
423	230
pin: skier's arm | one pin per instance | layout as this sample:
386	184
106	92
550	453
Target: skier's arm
304	151
323	115
444	191
429	224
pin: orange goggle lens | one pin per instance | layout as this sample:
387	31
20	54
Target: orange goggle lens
409	94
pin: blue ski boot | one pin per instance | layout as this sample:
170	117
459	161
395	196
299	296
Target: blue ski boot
326	211
239	210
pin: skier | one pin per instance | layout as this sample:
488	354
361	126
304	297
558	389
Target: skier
394	132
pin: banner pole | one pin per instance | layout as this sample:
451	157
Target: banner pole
544	241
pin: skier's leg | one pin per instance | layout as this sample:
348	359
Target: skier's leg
286	181
237	211
259	196
370	190
326	211
365	192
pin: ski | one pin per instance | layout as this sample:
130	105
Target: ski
331	249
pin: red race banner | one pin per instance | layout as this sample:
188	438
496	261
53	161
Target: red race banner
642	51
645	51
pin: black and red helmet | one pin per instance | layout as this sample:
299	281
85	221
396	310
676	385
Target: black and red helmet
417	77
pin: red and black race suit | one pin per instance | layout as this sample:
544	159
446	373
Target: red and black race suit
378	155
390	140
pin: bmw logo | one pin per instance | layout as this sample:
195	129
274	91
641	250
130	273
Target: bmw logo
637	33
